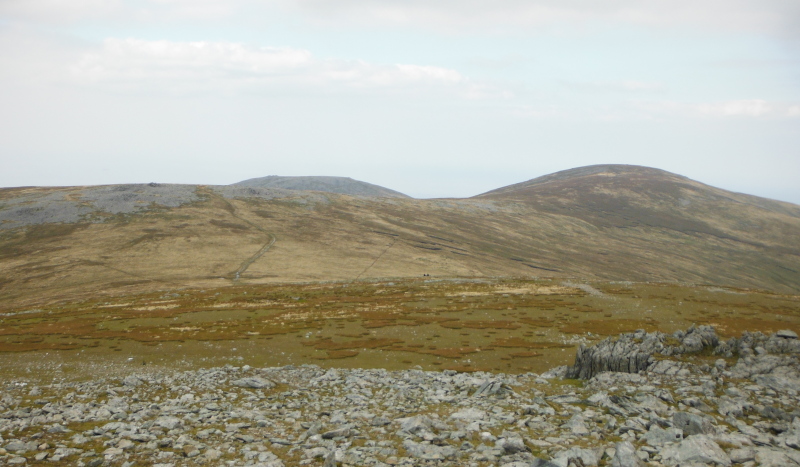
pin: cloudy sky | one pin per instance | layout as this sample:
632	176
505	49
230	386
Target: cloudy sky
431	98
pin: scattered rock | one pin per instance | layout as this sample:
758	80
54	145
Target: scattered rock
668	413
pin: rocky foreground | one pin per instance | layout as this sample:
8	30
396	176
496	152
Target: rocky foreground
680	399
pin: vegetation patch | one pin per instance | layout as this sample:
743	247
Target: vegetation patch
516	342
731	327
610	327
480	324
329	344
395	325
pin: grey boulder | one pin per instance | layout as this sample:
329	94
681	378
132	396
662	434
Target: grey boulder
253	382
695	448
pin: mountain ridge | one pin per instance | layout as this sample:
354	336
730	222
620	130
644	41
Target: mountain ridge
640	225
341	185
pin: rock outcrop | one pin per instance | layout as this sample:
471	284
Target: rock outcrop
639	351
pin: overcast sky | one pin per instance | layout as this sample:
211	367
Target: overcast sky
434	98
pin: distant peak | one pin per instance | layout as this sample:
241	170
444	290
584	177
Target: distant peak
328	184
612	170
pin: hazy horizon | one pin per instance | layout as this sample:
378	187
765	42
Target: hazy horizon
442	99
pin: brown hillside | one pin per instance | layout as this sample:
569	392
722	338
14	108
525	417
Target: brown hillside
604	222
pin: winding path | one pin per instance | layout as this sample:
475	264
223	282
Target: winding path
246	264
376	259
249	261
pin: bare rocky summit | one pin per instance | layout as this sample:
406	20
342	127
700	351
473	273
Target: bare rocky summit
341	185
678	411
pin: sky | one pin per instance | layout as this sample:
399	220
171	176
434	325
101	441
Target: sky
444	98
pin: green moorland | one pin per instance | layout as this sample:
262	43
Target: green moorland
506	325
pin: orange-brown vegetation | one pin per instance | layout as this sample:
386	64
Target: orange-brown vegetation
441	324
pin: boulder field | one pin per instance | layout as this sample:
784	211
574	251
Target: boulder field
641	399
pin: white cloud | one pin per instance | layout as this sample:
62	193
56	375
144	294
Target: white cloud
766	16
191	8
742	108
188	67
762	15
68	11
615	86
58	10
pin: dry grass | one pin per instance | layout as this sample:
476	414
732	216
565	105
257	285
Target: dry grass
201	245
610	327
516	342
428	324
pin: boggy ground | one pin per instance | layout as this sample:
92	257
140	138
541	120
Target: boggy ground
507	325
738	407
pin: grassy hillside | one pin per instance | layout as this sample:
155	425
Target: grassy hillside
610	223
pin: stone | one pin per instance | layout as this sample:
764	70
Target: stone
786	334
131	381
170	423
20	447
742	455
491	388
537	462
330	459
125	444
428	451
770	457
695	448
165	418
576	425
731	407
415	425
512	445
658	436
587	457
777	382
380	421
793	441
633	352
212	454
691	424
112	452
469	414
190	451
341	432
253	382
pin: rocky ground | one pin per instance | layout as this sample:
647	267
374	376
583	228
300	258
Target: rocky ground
681	399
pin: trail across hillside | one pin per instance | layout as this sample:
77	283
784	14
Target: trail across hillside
246	264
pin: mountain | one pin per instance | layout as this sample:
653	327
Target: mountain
612	223
341	185
629	195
